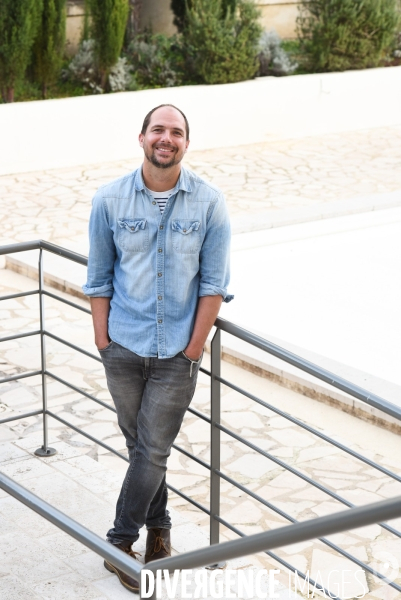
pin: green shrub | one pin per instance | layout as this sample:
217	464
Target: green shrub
83	70
336	35
221	49
108	22
179	8
48	48
19	21
155	61
273	59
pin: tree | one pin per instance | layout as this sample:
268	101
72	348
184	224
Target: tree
109	19
19	21
49	44
336	35
222	48
179	8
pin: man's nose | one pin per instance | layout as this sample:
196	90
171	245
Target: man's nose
166	137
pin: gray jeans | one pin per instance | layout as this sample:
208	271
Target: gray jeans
151	396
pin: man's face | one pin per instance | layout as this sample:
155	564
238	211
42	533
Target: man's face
164	142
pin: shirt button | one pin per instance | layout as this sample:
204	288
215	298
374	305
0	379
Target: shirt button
160	250
184	230
161	227
159	297
159	274
153	202
160	321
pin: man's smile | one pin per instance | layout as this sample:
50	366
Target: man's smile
165	149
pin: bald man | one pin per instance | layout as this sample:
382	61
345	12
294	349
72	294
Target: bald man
158	271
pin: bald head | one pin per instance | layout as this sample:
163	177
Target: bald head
148	117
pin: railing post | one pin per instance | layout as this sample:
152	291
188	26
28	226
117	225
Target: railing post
44	450
215	441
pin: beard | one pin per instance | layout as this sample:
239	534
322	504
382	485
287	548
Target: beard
162	165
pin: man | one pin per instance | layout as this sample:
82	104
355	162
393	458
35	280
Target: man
158	271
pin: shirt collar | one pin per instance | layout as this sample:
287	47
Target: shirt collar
183	182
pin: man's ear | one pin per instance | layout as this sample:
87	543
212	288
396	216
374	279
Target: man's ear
141	137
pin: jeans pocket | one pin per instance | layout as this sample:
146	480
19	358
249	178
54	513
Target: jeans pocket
106	347
192	362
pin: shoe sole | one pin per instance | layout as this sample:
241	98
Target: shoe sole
112	569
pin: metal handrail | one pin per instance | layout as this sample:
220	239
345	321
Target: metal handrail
305	365
283	536
242	334
216	427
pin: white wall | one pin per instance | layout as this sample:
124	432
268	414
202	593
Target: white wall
72	131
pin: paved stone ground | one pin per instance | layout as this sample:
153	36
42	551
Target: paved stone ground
258	180
341	473
38	561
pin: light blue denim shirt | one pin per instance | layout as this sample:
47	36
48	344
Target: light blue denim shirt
155	267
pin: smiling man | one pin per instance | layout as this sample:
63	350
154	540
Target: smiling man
158	271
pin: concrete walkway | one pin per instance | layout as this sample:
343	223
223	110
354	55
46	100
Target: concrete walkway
41	562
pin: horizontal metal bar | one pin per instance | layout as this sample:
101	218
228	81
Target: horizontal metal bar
87	435
198	414
283	562
19	335
292	520
73	346
305	365
19	295
191	456
69	254
294	471
73	304
20	376
91	540
352	518
316	432
20	247
24	416
205	371
188	499
77	389
38	244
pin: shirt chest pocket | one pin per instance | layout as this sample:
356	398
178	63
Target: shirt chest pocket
186	236
133	235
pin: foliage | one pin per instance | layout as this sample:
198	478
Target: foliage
397	51
221	49
120	76
19	21
179	8
273	59
108	22
336	35
155	61
83	69
49	43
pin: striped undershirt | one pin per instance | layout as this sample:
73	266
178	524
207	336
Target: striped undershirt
161	198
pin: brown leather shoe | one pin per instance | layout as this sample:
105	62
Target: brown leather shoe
128	582
158	544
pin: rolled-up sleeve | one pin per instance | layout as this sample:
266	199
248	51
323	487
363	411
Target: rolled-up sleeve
102	252
215	253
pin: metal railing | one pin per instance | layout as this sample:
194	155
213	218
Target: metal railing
323	526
